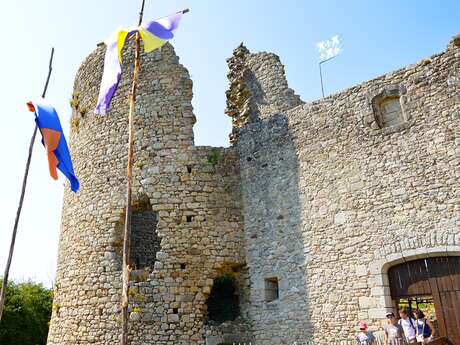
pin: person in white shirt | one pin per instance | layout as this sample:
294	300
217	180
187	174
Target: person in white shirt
408	326
425	329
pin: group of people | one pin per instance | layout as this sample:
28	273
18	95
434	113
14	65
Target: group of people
408	329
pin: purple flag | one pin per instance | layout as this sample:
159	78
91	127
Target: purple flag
154	34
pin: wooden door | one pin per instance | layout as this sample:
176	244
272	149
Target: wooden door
438	277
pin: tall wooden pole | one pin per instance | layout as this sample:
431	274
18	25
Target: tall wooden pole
21	199
129	175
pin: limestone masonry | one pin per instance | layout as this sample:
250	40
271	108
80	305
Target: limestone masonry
300	219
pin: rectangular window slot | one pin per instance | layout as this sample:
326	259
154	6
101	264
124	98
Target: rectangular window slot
145	242
271	289
189	169
189	219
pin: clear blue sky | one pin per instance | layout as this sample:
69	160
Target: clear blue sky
378	37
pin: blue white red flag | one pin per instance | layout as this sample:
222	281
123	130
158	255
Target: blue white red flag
54	141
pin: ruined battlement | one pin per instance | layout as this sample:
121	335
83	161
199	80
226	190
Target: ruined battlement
258	86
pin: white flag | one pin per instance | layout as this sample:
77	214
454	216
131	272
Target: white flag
329	49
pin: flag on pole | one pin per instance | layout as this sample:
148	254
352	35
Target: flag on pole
154	34
53	139
329	48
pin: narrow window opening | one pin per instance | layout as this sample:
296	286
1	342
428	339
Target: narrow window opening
183	266
271	289
145	242
189	219
189	169
175	310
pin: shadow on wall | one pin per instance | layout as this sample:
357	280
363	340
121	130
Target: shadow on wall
279	307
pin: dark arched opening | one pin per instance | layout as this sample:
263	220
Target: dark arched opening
223	304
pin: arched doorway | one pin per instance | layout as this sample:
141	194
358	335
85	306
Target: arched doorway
432	284
223	303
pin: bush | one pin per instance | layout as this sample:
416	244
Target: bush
26	315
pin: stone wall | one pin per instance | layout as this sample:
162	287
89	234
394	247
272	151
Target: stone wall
331	199
328	197
193	190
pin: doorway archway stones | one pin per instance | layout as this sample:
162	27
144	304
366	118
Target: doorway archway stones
379	302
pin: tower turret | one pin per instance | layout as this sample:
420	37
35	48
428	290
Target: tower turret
186	218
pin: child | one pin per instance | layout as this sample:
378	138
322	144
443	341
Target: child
364	337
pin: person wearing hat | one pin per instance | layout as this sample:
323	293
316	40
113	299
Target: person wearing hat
364	337
394	334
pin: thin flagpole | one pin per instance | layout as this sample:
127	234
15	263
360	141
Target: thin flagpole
129	175
321	78
321	72
21	199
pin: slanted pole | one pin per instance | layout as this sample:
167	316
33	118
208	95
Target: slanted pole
321	73
321	78
129	175
21	199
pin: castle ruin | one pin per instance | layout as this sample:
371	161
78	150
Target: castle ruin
293	234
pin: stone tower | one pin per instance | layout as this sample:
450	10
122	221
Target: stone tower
187	223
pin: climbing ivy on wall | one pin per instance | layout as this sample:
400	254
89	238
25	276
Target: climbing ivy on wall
213	157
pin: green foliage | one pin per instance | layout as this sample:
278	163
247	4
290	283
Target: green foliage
26	315
134	295
56	307
83	111
75	101
213	157
75	123
137	310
